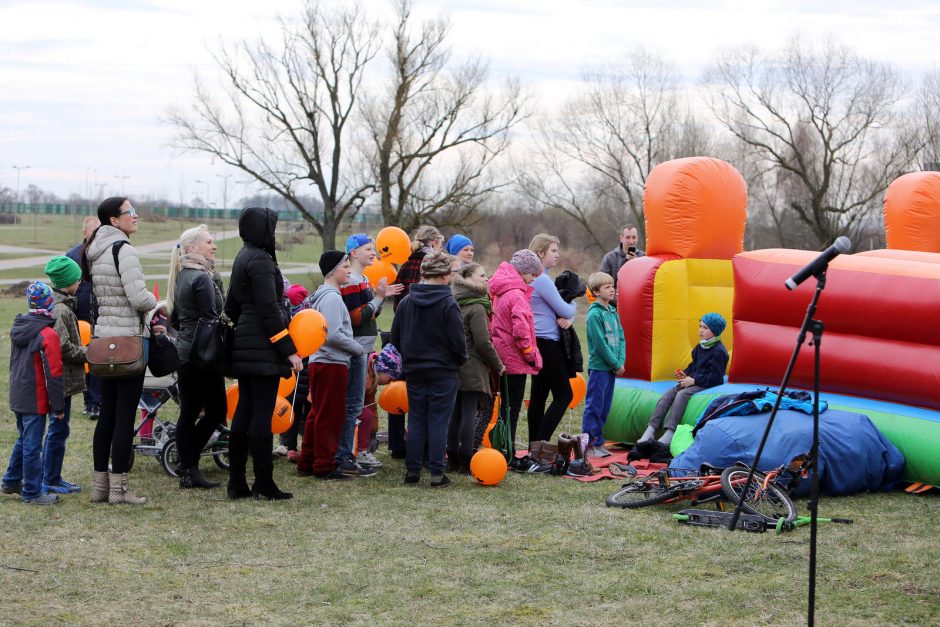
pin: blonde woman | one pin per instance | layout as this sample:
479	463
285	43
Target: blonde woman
194	293
552	314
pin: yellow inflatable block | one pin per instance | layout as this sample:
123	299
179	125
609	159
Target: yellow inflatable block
683	291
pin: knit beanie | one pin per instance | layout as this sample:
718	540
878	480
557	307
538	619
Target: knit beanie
62	271
39	296
457	243
715	323
526	262
436	265
329	260
389	361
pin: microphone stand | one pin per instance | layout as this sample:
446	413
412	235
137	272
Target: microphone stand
815	327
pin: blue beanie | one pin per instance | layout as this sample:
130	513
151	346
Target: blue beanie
458	242
357	240
715	323
39	296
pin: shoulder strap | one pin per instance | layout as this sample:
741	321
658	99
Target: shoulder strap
115	249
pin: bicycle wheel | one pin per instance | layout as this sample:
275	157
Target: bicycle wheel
170	458
640	494
221	459
771	502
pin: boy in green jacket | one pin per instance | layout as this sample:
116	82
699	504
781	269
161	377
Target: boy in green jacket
606	353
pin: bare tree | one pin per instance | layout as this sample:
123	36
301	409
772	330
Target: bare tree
603	144
436	131
287	110
928	109
825	126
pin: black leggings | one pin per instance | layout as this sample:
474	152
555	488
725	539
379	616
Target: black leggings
199	390
553	378
516	393
114	432
256	397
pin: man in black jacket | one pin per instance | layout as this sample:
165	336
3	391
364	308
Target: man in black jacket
625	251
428	332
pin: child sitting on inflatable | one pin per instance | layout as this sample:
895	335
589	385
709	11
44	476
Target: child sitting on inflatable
709	362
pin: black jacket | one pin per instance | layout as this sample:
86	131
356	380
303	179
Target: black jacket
570	286
428	332
262	344
197	298
708	365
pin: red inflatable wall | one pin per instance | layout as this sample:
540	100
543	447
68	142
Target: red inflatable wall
881	316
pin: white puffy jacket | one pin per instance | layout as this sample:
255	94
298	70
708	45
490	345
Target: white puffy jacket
122	300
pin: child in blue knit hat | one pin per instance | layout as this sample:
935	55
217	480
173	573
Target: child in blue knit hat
709	362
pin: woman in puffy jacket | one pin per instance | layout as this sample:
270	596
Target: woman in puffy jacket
122	301
263	353
194	293
513	325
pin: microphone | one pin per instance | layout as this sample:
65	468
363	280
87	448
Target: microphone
819	264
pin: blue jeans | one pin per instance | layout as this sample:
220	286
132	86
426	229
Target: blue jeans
430	405
600	395
26	459
53	451
355	395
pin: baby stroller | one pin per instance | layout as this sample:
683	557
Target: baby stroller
156	437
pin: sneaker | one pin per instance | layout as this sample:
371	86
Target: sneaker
352	469
43	499
333	475
366	458
280	451
412	479
522	464
537	468
93	412
54	489
578	469
293	456
598	451
12	488
440	482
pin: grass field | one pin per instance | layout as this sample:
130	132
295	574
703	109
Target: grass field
533	550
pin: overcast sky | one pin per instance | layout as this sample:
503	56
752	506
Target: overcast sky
83	83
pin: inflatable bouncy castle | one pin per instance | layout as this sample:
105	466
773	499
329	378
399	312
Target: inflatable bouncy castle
881	309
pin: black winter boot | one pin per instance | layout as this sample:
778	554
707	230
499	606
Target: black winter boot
263	460
197	480
185	480
238	461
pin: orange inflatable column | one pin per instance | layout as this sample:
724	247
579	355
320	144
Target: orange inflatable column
912	212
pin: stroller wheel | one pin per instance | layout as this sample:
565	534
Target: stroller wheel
221	459
170	457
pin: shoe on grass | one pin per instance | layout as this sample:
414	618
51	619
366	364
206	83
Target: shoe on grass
54	489
366	458
411	479
333	475
352	469
12	488
439	481
280	451
43	499
293	456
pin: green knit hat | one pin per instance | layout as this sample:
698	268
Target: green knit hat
63	271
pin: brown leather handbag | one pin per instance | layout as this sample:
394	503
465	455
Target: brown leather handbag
117	357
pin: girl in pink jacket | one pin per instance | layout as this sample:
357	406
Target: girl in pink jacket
513	325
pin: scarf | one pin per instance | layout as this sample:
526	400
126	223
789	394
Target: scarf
706	344
197	262
478	300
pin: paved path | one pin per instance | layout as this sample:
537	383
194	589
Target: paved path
7	250
143	249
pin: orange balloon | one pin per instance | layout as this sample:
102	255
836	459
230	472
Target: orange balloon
578	390
378	270
283	416
488	466
493	419
394	398
393	245
231	401
84	332
590	296
286	385
308	330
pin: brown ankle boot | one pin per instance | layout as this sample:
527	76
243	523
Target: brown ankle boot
119	492
99	489
565	446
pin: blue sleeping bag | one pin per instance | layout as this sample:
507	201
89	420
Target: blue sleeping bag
853	455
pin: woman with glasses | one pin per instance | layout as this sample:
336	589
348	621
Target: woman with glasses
122	300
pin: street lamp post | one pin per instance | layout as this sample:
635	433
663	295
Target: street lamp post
19	170
207	196
123	178
225	178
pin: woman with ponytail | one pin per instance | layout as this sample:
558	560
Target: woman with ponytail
122	299
194	293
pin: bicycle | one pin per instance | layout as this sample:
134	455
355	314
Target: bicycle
767	496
